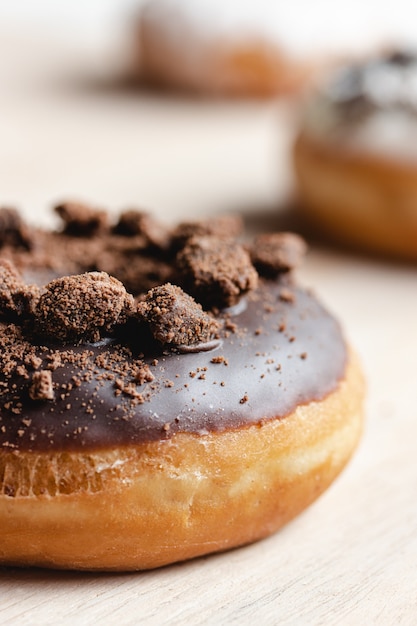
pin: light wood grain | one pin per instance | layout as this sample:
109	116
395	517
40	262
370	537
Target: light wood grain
352	557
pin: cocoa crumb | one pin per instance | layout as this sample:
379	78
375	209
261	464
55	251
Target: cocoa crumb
274	253
13	230
22	371
81	220
83	307
230	326
137	271
16	298
41	387
223	226
175	318
244	399
216	271
134	222
144	375
286	295
220	359
33	361
54	362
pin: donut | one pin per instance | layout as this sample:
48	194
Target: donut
355	159
197	412
246	48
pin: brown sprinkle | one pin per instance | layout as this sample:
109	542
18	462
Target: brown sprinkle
41	387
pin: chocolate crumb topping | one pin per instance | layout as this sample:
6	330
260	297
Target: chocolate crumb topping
16	298
85	366
13	230
286	295
175	317
41	387
81	220
83	307
274	253
222	226
219	359
144	375
137	271
216	271
134	222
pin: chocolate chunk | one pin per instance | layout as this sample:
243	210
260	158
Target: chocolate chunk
274	253
136	271
216	271
222	226
175	318
83	307
41	387
13	230
81	220
16	298
134	222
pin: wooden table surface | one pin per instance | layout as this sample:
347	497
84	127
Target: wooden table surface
67	131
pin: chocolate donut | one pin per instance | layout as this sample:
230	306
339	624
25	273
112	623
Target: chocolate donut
355	156
137	432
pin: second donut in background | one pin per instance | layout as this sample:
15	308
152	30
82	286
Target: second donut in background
248	48
355	156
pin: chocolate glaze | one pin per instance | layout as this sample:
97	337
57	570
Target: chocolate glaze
281	353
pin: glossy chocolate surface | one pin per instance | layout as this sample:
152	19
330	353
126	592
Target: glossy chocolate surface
282	351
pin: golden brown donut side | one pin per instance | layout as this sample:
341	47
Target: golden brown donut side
358	198
156	503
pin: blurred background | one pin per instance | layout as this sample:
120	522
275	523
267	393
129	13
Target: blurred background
73	125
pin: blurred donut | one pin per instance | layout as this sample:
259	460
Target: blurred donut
248	48
355	156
